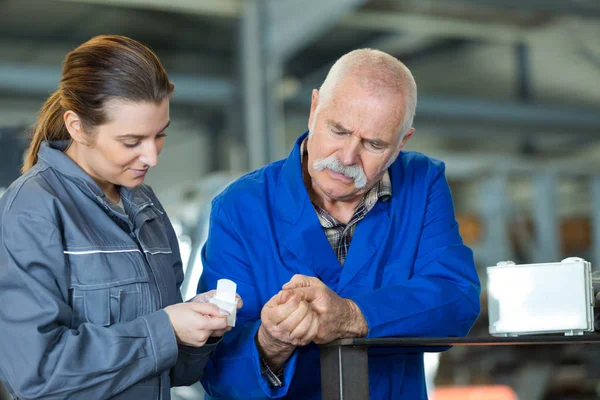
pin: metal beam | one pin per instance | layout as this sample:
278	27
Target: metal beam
394	43
494	208
434	26
524	82
449	108
399	44
595	186
43	80
469	166
205	90
532	379
298	22
252	83
585	8
345	373
463	165
293	24
192	89
546	218
508	111
28	79
220	8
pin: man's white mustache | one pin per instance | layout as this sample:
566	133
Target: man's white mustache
351	171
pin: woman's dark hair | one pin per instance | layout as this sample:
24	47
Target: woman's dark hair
104	68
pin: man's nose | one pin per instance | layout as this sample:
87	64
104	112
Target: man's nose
349	154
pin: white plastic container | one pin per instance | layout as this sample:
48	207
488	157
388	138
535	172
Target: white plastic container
225	298
540	298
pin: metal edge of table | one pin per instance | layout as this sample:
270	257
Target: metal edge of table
344	362
465	341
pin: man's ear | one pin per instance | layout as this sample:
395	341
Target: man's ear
75	127
404	140
313	107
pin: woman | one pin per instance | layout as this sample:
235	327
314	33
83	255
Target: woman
89	263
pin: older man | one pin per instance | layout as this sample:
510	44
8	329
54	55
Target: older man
347	237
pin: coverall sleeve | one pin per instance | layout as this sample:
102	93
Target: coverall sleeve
42	358
236	360
441	299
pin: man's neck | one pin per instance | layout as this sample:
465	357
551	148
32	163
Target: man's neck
340	210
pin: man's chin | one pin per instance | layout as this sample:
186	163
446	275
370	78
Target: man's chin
336	190
341	194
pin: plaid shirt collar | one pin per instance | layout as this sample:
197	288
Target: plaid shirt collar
381	191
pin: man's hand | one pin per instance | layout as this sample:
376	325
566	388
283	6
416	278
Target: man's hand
338	317
287	322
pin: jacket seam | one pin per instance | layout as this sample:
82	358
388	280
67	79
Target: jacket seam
19	186
154	355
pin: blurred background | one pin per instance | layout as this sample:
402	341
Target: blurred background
509	98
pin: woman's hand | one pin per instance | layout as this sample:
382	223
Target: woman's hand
205	297
194	322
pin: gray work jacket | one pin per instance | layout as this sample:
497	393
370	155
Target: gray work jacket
82	288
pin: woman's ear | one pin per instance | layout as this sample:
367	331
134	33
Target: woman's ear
75	127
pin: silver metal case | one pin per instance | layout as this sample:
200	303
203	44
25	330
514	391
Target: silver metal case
540	298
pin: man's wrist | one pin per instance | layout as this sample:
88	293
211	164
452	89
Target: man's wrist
357	324
274	352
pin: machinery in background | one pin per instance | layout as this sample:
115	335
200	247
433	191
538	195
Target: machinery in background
13	143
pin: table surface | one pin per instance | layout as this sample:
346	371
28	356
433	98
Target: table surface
590	337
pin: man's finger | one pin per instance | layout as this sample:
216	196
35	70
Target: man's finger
304	293
283	296
303	326
313	330
295	318
299	280
281	312
273	301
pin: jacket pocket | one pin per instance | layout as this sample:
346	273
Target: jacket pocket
98	308
107	306
108	287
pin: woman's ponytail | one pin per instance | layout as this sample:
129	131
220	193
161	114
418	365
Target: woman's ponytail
49	126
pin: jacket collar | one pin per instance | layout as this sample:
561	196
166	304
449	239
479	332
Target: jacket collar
292	195
52	153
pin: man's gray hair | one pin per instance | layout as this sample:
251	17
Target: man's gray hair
377	72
